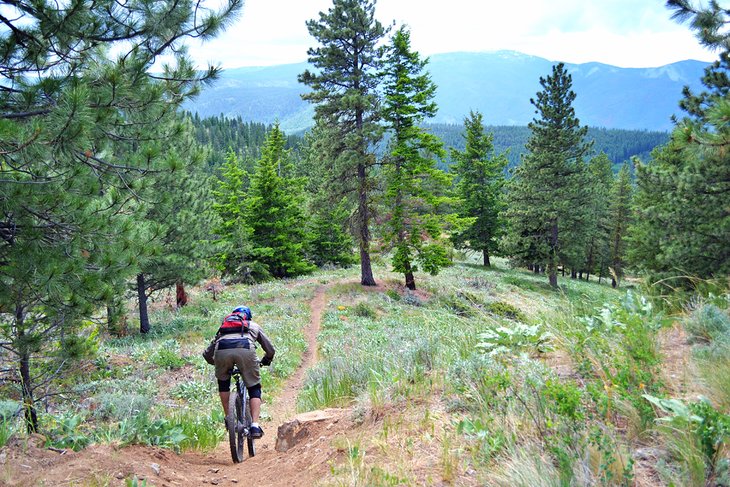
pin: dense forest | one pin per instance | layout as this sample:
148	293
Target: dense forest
220	134
110	193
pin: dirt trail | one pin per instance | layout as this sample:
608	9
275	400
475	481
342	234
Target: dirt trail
285	405
31	464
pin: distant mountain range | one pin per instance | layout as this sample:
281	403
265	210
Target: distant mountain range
498	84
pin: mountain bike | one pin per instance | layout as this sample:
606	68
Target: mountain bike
239	419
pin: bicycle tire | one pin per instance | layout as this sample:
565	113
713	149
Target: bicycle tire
234	421
249	440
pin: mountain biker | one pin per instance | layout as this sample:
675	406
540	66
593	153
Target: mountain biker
236	345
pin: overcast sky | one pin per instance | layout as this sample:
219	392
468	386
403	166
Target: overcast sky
626	33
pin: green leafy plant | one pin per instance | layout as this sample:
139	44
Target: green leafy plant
65	431
168	356
135	482
697	423
518	338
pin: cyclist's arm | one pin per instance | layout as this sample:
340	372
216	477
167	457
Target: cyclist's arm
267	346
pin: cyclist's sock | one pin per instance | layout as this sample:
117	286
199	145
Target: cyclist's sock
256	425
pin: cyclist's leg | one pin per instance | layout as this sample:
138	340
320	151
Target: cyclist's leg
254	399
224	360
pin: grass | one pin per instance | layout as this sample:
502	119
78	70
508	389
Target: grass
453	383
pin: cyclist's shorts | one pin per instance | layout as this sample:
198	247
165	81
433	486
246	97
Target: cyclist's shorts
246	360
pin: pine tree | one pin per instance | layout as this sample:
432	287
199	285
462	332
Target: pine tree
413	182
80	133
546	196
328	239
682	225
233	254
274	213
620	218
480	185
344	92
179	223
597	225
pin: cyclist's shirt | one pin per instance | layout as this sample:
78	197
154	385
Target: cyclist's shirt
252	334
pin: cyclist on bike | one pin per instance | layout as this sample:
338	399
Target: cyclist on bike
236	345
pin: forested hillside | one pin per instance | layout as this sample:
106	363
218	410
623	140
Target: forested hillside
458	304
246	138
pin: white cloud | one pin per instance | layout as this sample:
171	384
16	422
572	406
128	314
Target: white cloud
627	33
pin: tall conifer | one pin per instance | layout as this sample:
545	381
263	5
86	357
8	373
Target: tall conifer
274	213
546	194
414	185
480	185
344	92
682	199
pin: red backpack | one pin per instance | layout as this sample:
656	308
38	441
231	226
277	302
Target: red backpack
234	323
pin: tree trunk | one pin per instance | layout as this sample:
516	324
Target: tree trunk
31	415
180	294
485	254
144	320
366	270
552	267
614	284
573	274
536	270
410	280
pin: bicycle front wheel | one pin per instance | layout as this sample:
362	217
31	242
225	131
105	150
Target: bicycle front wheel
234	420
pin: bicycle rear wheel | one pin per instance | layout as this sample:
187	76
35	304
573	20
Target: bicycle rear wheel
249	440
234	420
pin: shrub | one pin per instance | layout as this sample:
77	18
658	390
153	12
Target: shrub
193	391
118	406
412	299
393	294
364	310
458	304
707	324
506	310
168	356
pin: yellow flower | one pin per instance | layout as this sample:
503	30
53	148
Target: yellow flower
341	308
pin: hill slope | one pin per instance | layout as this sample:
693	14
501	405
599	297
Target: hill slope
499	84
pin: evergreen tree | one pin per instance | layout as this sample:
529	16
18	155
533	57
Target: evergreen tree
344	92
233	254
546	194
328	239
274	213
413	182
682	225
620	218
80	133
480	185
178	222
597	225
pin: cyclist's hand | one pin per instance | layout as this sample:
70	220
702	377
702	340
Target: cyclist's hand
265	361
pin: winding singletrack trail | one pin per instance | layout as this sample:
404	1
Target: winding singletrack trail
305	465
